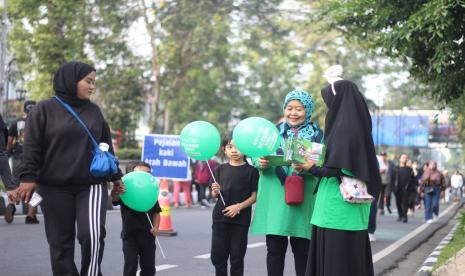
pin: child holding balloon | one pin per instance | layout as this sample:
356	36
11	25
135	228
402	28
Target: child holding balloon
237	181
137	234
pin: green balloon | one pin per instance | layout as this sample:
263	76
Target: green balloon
141	191
256	137
200	140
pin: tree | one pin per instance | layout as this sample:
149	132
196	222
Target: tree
425	35
46	34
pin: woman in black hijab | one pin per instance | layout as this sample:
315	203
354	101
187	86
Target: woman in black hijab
340	244
56	161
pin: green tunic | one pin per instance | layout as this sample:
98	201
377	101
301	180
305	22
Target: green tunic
273	216
331	211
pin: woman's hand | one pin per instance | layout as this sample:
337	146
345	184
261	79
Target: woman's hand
25	190
263	163
305	166
232	210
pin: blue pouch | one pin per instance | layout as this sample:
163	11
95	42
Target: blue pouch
103	162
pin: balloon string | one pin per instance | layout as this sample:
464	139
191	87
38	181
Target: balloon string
214	179
156	238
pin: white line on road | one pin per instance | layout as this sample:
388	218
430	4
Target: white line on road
159	268
204	256
394	246
165	267
257	244
250	245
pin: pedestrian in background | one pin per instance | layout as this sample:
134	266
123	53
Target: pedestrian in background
137	232
432	186
456	185
15	150
340	243
237	182
283	223
447	187
386	169
5	173
186	187
57	155
404	187
202	179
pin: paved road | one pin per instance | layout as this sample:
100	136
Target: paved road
24	249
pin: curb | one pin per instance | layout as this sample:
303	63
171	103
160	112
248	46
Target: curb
432	259
389	261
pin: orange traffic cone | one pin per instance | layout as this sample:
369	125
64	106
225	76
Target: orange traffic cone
165	218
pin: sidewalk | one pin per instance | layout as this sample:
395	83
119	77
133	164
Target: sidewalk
454	266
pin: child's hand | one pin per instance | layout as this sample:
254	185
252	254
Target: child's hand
154	231
216	188
232	210
119	187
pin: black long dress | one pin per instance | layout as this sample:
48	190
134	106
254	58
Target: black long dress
350	147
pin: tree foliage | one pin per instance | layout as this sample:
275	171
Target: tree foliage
426	35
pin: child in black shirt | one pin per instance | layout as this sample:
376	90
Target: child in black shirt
237	181
138	236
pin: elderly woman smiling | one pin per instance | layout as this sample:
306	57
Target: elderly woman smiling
273	217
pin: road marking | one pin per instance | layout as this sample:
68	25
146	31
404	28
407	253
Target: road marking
394	246
250	245
159	268
257	244
204	256
164	267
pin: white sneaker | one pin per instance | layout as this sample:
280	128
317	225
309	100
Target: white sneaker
429	221
371	237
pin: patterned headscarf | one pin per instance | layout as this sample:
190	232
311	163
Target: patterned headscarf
307	130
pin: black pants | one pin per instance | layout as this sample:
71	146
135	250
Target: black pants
384	193
403	202
139	248
277	247
229	241
64	207
5	171
200	191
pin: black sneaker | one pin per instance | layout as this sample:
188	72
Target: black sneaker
389	210
10	213
31	220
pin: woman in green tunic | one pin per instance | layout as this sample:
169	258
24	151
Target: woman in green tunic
273	217
340	244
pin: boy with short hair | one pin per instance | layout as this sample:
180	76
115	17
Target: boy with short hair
137	234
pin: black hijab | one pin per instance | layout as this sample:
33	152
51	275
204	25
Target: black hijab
66	79
348	134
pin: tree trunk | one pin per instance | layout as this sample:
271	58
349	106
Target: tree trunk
166	120
155	93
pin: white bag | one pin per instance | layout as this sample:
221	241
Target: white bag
354	190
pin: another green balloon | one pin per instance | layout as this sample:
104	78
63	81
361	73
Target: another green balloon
141	191
256	137
200	140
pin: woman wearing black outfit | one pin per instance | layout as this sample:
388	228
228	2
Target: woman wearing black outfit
56	160
340	244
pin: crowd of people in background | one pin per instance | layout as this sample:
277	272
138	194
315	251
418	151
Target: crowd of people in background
415	187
